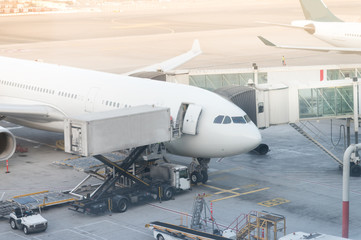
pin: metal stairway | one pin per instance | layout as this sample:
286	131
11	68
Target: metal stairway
306	135
262	226
121	169
197	212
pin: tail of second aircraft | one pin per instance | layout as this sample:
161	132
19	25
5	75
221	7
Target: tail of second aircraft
316	10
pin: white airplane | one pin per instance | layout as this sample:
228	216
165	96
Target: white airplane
324	25
40	95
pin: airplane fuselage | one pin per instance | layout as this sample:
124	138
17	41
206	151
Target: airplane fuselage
72	91
338	34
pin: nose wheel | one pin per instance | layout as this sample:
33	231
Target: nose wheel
199	170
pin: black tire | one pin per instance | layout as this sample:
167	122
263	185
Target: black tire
355	170
122	205
160	237
168	193
195	177
26	230
13	223
204	176
261	149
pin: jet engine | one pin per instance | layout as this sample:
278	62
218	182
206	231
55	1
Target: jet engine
7	144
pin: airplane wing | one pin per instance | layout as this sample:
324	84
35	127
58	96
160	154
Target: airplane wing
320	49
173	62
40	113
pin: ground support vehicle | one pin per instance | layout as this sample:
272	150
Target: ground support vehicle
127	184
167	231
27	220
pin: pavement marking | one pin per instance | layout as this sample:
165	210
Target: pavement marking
274	202
232	191
65	232
13	233
250	185
133	229
84	233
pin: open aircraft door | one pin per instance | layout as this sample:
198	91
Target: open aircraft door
191	118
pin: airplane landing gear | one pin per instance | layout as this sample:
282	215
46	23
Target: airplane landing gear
198	169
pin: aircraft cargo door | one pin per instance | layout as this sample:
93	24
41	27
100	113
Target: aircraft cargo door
191	117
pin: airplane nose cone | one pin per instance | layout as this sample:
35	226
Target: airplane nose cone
241	139
253	140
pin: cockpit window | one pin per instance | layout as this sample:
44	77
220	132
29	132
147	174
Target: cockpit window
218	119
238	120
227	120
221	119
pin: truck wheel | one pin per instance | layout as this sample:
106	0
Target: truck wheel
195	177
168	193
122	205
26	230
204	176
160	237
13	223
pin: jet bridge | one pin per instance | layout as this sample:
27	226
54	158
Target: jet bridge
279	95
287	95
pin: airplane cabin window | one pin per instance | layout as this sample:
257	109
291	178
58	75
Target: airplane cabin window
227	120
238	120
218	119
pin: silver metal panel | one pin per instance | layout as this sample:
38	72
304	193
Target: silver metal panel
103	132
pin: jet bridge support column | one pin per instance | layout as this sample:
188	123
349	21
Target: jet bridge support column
348	123
345	187
355	107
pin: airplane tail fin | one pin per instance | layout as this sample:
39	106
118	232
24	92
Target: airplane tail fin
316	10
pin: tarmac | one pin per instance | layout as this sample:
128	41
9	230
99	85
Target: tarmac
295	179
